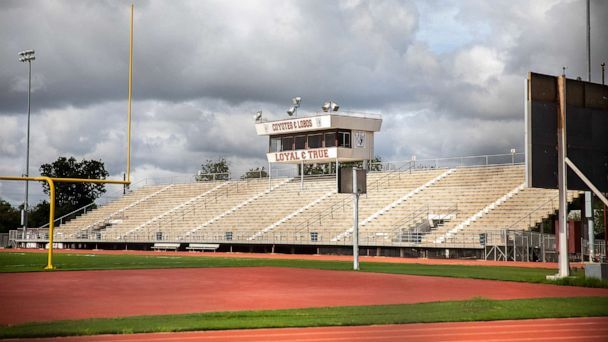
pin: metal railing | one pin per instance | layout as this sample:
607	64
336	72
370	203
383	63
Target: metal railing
411	222
59	221
544	206
169	218
207	177
390	173
340	113
385	166
340	205
496	244
469	161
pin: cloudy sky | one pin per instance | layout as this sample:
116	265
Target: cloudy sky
447	76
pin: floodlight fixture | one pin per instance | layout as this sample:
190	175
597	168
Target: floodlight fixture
330	106
26	56
296	104
26	53
326	106
258	116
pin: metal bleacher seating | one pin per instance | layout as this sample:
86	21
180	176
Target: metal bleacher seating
439	205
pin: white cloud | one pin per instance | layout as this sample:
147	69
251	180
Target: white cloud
437	70
478	65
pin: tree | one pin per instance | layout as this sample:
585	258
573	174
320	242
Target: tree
214	170
9	217
39	214
374	164
71	196
255	173
315	169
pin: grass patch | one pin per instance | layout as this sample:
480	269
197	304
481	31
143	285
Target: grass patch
34	262
456	311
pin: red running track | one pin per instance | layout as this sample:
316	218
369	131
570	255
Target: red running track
563	329
47	296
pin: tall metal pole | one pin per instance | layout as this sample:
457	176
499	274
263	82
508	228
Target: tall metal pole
589	215
337	171
130	97
355	221
588	197
269	175
564	269
27	153
588	41
605	234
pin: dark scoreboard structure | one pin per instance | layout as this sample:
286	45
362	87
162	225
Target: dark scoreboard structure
586	132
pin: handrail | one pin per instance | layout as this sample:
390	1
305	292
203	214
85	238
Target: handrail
189	208
415	214
122	210
528	214
322	214
70	213
451	209
242	203
390	173
204	177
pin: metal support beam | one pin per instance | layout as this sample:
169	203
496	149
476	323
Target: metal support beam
302	175
355	221
337	172
564	269
587	181
269	175
590	233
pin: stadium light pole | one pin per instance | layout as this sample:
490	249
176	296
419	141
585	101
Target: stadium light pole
27	56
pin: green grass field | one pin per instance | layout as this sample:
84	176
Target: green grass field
35	262
455	311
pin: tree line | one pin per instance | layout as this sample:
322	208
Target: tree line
68	196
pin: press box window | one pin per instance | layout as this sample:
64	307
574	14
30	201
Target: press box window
344	139
287	144
275	144
315	141
300	142
330	139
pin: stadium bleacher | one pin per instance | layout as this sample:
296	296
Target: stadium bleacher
430	207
